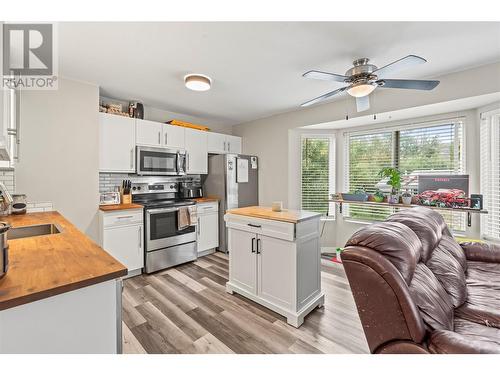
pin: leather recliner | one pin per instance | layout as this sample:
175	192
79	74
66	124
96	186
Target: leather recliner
418	291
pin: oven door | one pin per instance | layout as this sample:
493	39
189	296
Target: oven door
162	229
159	161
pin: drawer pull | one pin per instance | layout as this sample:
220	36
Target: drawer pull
125	217
254	225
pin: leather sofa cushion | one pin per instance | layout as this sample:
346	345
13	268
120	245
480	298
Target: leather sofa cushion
449	342
427	229
482	252
483	284
449	272
434	303
449	244
478	332
395	241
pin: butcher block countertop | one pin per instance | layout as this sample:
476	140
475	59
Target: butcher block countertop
48	265
289	216
119	207
206	200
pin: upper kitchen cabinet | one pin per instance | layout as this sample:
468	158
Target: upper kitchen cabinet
173	136
223	144
196	151
149	133
233	144
116	143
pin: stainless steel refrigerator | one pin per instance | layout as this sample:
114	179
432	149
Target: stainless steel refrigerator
234	179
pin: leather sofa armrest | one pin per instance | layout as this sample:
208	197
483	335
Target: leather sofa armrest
481	252
449	342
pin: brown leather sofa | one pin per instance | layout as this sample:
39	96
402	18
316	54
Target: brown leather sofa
418	291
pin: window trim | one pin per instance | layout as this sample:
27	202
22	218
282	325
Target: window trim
331	168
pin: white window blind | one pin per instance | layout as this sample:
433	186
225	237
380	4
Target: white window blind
433	148
490	173
317	174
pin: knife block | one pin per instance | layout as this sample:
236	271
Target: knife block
125	198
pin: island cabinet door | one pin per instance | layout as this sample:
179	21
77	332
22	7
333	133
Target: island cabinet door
243	260
276	271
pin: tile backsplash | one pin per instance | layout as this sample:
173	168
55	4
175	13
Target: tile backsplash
8	178
110	181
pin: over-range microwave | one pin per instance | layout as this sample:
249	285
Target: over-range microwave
160	161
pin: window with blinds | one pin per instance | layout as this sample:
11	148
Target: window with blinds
490	173
414	150
317	174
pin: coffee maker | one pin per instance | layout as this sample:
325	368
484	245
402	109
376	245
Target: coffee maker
191	189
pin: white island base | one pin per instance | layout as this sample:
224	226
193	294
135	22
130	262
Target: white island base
275	260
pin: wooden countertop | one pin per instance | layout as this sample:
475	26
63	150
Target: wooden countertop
289	216
45	266
118	207
206	199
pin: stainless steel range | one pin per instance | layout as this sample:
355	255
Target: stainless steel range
166	245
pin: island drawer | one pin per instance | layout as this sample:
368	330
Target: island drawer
272	228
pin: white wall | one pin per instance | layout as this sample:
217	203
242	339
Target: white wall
59	156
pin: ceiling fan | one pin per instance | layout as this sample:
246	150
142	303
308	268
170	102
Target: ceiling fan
363	78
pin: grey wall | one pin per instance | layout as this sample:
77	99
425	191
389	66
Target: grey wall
59	156
268	137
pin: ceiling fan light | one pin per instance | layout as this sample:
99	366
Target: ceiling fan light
361	89
197	82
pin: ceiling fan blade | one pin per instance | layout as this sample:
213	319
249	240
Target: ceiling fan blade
324	76
323	97
363	103
412	84
405	62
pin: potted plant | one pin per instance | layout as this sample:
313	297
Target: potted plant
378	196
406	198
394	180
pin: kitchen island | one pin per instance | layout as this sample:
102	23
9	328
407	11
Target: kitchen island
62	292
275	260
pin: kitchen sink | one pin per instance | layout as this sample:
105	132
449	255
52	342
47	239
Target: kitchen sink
33	231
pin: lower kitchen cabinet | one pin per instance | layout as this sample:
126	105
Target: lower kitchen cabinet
208	227
122	235
276	264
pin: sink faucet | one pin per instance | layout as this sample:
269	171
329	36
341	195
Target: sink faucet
7	198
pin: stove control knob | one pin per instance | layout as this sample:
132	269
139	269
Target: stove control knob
138	188
172	186
134	188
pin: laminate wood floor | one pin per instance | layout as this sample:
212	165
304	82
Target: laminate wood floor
186	310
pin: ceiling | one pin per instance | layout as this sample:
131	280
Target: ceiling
256	67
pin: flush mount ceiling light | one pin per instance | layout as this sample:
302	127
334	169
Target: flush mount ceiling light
197	82
360	89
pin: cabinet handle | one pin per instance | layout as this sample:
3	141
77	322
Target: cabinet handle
229	146
254	225
259	248
187	158
199	224
140	238
253	246
124	217
159	138
224	145
166	137
132	158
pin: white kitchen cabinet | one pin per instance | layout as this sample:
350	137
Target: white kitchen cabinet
196	151
233	144
149	133
208	227
276	263
122	235
223	143
116	143
173	136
